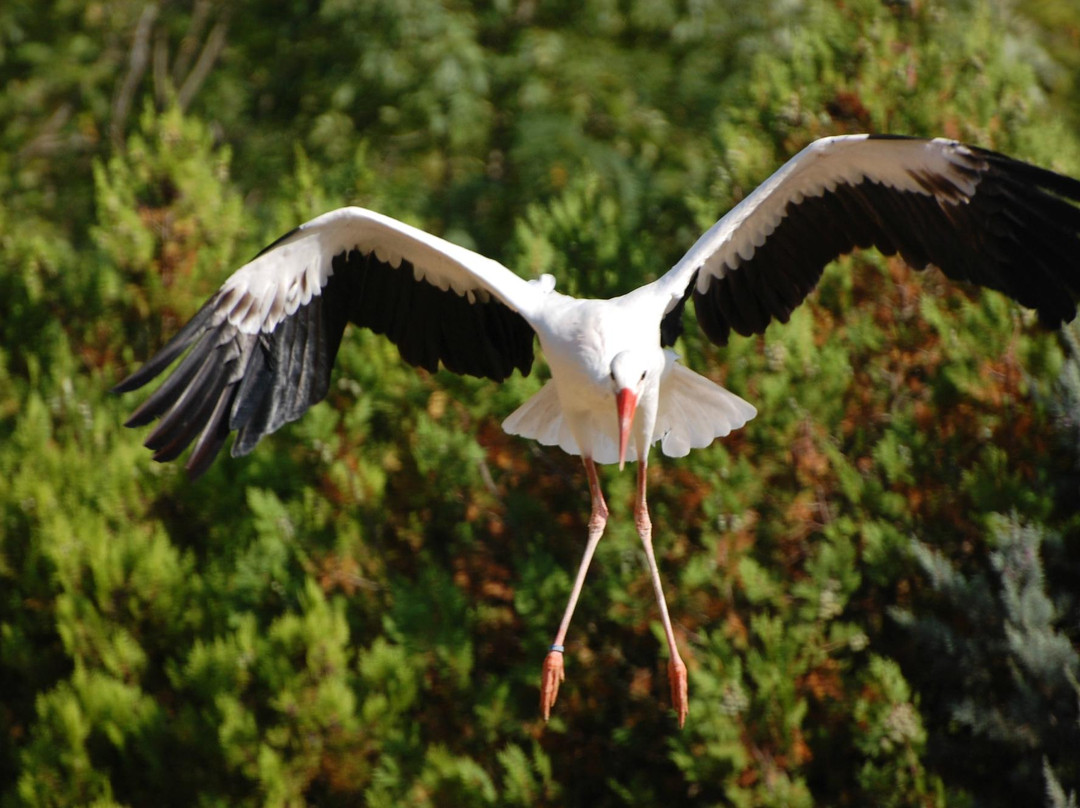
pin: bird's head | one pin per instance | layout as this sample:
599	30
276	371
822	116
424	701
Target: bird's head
632	374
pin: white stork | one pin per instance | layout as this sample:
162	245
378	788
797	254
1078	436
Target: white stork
260	351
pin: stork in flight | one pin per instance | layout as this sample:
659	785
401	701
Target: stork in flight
260	351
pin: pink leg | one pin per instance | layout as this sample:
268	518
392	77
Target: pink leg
676	668
552	673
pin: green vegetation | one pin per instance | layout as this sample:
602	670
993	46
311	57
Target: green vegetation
874	583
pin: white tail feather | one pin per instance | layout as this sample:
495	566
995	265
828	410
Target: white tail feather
693	412
540	419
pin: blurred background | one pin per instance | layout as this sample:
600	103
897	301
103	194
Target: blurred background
874	583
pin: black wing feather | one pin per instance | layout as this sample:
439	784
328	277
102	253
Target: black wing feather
1018	234
252	384
671	326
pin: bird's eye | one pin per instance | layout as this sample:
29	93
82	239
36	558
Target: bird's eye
642	376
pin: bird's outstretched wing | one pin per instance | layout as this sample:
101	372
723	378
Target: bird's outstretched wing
979	216
260	351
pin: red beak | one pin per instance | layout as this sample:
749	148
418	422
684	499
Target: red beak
626	403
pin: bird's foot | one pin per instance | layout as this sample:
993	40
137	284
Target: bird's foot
550	677
679	699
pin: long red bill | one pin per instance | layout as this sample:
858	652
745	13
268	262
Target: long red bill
626	403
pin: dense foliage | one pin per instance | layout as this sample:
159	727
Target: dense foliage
874	583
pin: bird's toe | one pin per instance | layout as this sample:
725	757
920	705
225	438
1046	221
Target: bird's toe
550	678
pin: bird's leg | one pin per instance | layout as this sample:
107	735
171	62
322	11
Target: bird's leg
553	673
676	668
